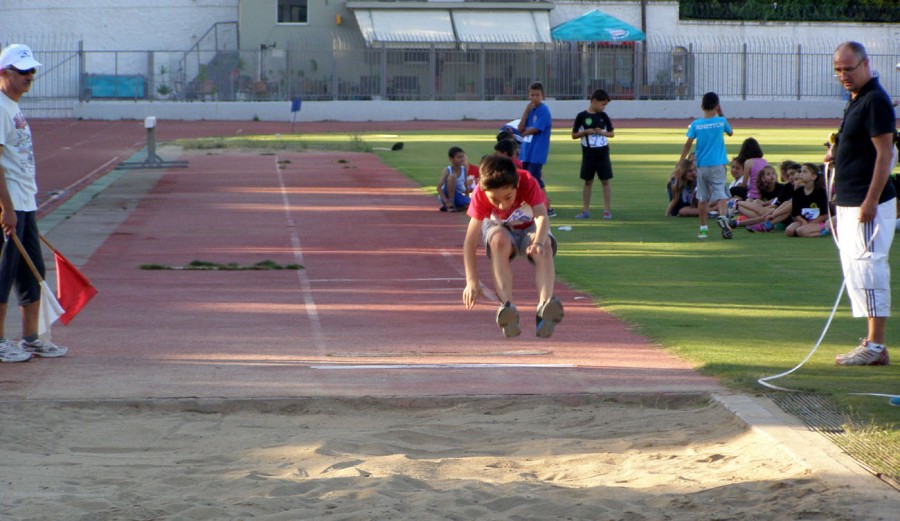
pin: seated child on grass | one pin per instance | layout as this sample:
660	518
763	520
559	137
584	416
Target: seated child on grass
683	190
453	191
509	212
809	206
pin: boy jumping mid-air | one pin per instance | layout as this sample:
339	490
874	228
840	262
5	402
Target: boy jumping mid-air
509	210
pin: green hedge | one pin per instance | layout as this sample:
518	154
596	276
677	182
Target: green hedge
792	10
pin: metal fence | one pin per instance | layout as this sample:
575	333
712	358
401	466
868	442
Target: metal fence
662	69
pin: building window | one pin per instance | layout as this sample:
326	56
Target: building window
293	11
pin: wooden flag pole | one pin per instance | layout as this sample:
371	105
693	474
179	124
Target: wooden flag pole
44	239
25	256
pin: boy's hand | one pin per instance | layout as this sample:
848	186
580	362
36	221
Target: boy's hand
535	248
471	294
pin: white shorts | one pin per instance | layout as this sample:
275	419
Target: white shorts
864	258
711	183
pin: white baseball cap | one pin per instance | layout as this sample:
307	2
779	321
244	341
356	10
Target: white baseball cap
19	56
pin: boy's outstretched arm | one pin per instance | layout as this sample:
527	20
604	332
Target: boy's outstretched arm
443	182
473	286
541	231
686	150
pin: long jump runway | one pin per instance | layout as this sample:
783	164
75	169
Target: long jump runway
376	311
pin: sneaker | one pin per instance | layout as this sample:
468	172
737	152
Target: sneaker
704	233
712	214
607	215
862	355
895	401
583	215
549	314
726	230
10	353
508	320
551	213
43	348
763	227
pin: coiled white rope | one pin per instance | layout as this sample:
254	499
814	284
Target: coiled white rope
764	381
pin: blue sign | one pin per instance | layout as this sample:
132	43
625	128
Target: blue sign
295	104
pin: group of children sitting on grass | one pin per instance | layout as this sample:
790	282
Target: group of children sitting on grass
792	199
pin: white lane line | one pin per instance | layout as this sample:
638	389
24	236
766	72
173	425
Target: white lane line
443	366
306	290
69	188
460	268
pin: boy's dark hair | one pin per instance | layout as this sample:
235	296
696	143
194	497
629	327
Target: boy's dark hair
453	151
498	172
537	86
505	134
600	95
506	147
710	101
787	164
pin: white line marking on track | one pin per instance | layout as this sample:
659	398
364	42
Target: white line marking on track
69	188
486	291
446	366
311	310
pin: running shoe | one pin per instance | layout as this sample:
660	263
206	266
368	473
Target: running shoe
862	355
10	353
726	230
704	233
583	215
551	213
508	320
607	215
763	227
43	348
895	401
549	314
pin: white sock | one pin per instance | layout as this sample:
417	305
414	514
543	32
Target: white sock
875	348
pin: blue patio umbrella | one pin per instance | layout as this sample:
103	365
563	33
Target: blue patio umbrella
596	26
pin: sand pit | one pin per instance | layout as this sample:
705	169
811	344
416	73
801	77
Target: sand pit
506	458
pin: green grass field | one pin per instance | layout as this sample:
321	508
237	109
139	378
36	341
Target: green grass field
739	309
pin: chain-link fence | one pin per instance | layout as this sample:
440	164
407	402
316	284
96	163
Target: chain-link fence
656	69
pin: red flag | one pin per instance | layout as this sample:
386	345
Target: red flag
73	289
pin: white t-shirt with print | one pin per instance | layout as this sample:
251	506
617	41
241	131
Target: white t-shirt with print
17	159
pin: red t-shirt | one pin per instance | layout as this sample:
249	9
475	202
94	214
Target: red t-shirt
520	215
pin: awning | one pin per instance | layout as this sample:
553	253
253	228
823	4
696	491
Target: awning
407	25
452	26
502	27
596	26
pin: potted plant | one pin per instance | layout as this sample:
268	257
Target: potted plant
163	90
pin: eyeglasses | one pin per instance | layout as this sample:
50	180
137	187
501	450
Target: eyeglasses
847	70
21	72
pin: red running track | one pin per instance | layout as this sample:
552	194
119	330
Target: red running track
376	312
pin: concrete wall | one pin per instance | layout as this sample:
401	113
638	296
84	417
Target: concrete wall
176	24
442	110
109	25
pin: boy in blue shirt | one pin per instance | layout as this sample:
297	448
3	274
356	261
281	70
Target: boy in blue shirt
534	127
711	161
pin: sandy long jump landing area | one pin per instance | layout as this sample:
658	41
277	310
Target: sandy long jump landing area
359	387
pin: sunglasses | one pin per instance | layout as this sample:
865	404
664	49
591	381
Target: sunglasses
21	72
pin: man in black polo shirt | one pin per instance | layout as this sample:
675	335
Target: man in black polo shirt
866	206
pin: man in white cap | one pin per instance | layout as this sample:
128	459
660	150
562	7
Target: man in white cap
18	209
